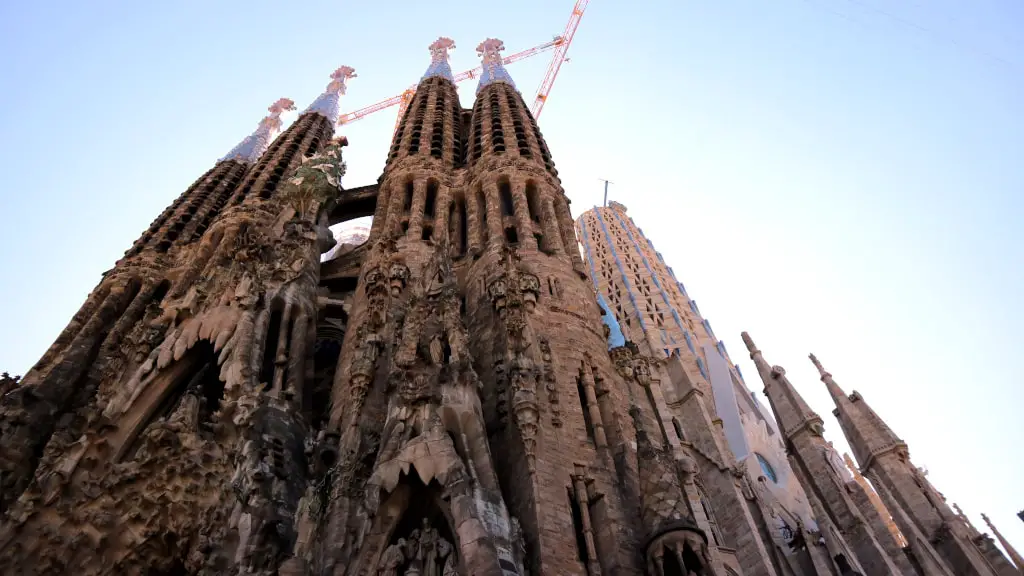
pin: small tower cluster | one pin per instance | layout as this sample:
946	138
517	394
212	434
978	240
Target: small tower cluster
777	496
931	539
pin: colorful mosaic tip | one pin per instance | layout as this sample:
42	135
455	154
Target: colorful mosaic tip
439	66
328	103
493	69
255	144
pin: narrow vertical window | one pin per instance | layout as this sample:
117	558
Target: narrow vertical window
679	429
270	347
532	202
407	201
463	228
481	209
431	201
581	391
505	192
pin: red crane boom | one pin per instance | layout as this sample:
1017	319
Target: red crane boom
405	97
559	57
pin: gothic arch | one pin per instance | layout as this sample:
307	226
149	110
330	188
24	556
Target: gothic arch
400	514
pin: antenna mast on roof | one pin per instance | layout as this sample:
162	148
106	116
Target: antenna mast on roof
606	183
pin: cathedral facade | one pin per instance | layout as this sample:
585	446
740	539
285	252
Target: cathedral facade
453	396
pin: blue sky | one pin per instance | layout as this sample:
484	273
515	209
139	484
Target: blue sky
840	177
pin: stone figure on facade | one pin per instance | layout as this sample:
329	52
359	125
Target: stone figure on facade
392	559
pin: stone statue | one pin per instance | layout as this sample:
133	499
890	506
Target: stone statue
451	566
412	546
392	559
428	549
518	544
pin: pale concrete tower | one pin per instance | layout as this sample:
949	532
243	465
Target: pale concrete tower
919	510
848	533
705	406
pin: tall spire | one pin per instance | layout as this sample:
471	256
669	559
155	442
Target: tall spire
254	145
439	66
791	410
327	104
494	71
1010	550
837	394
865	430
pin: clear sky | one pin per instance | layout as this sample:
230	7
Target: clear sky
841	177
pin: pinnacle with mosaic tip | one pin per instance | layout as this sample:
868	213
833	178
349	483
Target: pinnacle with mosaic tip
254	145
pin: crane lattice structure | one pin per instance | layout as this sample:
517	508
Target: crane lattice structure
403	99
560	44
559	57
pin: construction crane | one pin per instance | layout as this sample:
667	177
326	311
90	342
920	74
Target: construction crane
559	57
403	99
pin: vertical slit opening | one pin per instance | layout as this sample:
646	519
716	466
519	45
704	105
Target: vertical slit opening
532	202
581	392
505	192
481	209
270	347
431	201
407	200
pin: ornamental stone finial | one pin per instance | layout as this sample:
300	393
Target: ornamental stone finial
327	104
439	66
254	145
493	69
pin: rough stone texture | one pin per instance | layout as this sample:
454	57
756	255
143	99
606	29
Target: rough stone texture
444	399
885	459
761	527
850	536
440	400
155	436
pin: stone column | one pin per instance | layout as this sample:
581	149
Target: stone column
394	210
455	229
568	234
522	217
549	222
380	214
473	224
600	439
579	485
444	194
523	221
419	198
495	226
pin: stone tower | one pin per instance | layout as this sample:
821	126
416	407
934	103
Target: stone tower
875	500
65	379
849	533
163	432
918	508
1004	566
721	423
446	398
479	423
